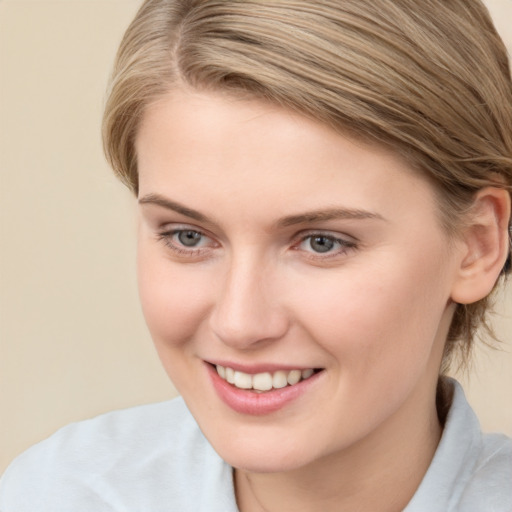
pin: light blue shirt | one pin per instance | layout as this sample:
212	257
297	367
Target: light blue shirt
154	458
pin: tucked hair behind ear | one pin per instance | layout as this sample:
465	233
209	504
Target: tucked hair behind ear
428	78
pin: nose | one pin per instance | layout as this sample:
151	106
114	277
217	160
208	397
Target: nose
247	313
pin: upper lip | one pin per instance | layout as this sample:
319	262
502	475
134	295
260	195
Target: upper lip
253	369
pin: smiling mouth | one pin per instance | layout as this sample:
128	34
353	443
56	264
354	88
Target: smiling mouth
266	381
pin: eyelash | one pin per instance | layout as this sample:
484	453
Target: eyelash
167	238
344	246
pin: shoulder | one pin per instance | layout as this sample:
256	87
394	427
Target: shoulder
470	471
484	480
490	481
135	459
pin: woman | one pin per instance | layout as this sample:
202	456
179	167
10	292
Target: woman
324	200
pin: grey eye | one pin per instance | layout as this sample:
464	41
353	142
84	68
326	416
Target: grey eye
321	243
189	238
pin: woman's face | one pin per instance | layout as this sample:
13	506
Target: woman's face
280	250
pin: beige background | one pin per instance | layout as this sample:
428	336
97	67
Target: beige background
72	340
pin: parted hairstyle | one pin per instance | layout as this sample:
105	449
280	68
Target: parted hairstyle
429	79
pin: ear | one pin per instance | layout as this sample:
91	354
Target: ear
485	247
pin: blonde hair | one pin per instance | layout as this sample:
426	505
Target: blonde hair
429	78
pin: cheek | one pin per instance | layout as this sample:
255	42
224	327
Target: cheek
379	319
172	297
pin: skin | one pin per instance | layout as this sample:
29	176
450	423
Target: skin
373	312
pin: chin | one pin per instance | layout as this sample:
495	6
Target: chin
264	461
269	451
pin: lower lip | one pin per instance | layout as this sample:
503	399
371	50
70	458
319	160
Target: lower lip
249	402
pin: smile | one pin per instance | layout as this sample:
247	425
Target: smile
265	381
262	392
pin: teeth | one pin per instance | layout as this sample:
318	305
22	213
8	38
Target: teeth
221	371
230	375
293	377
307	373
263	381
242	380
279	380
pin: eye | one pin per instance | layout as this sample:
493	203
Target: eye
189	238
321	243
187	242
325	244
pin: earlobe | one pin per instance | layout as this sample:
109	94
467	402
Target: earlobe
486	246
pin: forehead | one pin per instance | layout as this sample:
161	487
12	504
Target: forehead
214	149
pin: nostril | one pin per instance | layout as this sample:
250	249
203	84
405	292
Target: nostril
256	328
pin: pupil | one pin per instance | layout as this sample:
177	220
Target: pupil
189	238
321	244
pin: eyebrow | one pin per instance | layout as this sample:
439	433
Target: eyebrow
328	214
172	205
290	220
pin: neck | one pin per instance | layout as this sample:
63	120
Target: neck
381	472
